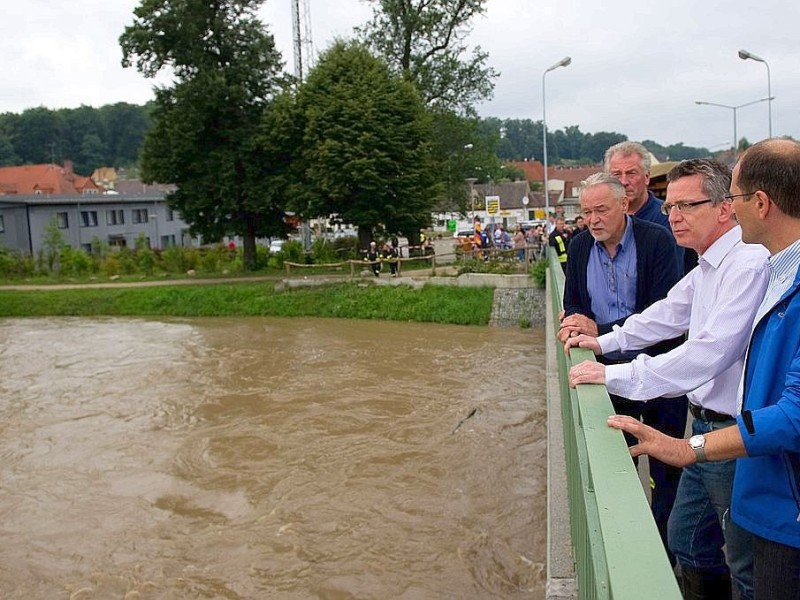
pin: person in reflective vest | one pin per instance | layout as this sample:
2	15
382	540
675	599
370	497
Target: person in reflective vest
559	240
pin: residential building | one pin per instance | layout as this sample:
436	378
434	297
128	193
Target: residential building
34	197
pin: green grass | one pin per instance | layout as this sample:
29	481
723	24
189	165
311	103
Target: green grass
436	304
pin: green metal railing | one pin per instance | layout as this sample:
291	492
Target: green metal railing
617	550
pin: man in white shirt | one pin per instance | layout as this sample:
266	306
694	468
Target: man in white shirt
714	304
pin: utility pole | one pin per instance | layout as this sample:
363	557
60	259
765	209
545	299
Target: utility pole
301	38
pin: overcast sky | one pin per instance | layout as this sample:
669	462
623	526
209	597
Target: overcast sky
637	67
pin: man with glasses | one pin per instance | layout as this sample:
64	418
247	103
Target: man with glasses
713	304
618	267
766	439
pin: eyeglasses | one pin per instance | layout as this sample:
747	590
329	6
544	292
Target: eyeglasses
682	206
730	197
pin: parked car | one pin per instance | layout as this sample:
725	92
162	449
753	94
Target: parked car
276	246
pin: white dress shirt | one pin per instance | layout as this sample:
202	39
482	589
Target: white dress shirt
715	303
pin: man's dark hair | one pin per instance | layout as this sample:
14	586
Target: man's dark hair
773	166
716	176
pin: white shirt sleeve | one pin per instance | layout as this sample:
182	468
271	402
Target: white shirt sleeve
718	337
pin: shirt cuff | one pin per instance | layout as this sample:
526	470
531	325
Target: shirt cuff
608	343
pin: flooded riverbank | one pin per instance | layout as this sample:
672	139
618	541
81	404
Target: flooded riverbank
271	458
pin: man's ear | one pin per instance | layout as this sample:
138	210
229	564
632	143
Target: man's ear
763	204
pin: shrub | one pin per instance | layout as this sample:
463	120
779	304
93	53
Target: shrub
322	251
539	273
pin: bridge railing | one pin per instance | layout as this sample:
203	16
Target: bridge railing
617	551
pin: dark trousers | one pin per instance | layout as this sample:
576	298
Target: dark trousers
776	570
668	415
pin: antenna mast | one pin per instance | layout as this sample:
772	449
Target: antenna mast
301	38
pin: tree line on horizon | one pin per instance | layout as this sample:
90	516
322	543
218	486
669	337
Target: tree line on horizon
112	135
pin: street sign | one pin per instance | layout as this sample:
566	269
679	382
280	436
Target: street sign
492	205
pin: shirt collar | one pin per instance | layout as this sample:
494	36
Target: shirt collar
786	261
716	252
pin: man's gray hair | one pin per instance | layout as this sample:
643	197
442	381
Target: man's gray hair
602	178
716	176
626	149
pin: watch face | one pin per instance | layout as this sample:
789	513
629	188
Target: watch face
697	441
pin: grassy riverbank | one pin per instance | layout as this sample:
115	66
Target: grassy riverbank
437	304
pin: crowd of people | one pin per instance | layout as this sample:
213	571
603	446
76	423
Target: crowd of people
692	306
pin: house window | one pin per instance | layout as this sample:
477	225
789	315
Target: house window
117	241
167	241
62	219
88	218
139	215
2	224
90	192
170	215
115	217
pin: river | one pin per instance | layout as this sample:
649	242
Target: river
251	458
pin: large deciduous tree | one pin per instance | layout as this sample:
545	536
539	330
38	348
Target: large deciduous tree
226	70
426	41
366	145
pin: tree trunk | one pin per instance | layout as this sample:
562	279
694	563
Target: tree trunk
249	241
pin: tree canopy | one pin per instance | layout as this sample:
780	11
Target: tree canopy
366	144
425	40
226	71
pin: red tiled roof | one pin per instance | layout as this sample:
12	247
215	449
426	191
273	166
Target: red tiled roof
534	171
48	179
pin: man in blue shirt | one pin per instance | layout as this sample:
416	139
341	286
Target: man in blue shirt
619	266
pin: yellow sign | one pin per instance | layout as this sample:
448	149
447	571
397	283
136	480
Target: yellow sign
492	205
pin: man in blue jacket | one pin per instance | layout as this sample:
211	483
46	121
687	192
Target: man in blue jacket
618	267
765	192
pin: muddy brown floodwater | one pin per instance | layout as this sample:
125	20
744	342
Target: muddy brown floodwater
270	458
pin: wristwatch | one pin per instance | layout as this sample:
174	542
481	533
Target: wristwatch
698	444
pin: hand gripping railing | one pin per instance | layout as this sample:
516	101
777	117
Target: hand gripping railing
617	550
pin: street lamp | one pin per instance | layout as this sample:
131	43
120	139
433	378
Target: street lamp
744	55
562	63
734	109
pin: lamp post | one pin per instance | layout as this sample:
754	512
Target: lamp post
744	55
562	63
471	181
734	109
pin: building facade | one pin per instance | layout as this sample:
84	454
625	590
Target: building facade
116	220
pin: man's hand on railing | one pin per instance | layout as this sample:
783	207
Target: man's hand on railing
673	451
588	371
583	341
574	325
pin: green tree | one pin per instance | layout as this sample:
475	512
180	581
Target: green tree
125	126
38	136
92	154
366	145
226	70
8	156
425	40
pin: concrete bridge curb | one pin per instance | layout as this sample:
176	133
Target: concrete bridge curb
561	583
